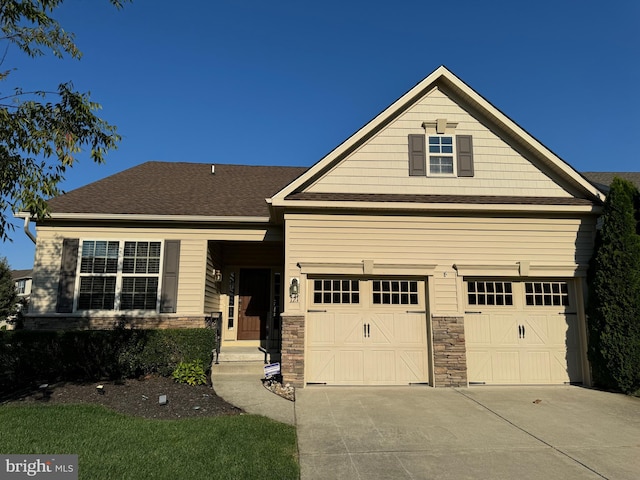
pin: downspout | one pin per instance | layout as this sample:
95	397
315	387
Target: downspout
27	219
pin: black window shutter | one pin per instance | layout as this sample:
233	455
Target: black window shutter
67	278
169	294
417	156
464	150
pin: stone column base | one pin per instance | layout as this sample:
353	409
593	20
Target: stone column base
449	352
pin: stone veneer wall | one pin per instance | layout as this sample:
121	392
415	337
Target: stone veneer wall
449	352
107	323
292	365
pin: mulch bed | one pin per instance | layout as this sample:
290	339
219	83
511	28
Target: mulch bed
138	397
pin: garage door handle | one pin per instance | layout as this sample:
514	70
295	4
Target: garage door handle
521	331
367	330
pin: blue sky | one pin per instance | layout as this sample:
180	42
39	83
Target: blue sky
284	82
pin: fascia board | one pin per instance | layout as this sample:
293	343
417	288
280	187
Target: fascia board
443	207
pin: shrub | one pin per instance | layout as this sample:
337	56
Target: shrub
191	373
29	357
614	296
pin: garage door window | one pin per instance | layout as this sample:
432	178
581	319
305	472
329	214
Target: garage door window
327	291
490	293
546	294
395	292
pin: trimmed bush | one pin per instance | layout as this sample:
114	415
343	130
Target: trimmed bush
28	357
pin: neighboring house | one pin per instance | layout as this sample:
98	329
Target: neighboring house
439	244
22	280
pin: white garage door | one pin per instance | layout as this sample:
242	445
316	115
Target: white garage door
366	332
521	333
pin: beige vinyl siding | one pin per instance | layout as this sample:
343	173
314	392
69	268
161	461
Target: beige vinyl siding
381	164
193	261
46	274
443	241
193	257
212	289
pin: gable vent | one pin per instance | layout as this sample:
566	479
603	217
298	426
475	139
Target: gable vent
213	169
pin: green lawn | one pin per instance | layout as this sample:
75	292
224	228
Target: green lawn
113	446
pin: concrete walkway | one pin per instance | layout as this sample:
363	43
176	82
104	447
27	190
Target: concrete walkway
472	433
245	390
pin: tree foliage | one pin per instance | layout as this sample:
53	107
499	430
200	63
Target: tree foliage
614	298
8	294
41	132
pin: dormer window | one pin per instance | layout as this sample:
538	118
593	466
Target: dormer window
441	156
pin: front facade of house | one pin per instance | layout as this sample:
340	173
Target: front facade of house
441	244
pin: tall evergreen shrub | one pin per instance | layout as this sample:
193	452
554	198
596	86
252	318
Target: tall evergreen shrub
614	293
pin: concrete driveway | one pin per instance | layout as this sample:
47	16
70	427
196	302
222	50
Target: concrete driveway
480	432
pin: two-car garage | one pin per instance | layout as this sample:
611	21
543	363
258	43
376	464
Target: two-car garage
374	331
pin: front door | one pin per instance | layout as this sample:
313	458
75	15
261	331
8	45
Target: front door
253	306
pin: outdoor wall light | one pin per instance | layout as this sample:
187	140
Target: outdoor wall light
294	289
217	276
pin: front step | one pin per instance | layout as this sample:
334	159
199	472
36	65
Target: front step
240	360
241	354
239	368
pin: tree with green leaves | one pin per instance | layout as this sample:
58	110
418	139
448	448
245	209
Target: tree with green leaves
8	294
41	132
614	293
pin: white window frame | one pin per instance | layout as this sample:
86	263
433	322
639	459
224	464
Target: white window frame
430	154
119	275
21	286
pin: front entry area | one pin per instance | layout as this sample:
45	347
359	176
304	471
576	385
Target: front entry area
253	303
367	332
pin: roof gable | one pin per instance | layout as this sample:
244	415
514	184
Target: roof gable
179	188
375	159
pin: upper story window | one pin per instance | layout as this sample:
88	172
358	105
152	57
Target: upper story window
441	155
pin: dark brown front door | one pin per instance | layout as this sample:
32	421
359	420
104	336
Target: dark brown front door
253	305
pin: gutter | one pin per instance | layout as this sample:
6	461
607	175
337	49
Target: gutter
27	219
156	218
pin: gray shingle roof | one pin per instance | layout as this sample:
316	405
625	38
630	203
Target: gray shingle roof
602	180
170	188
20	274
